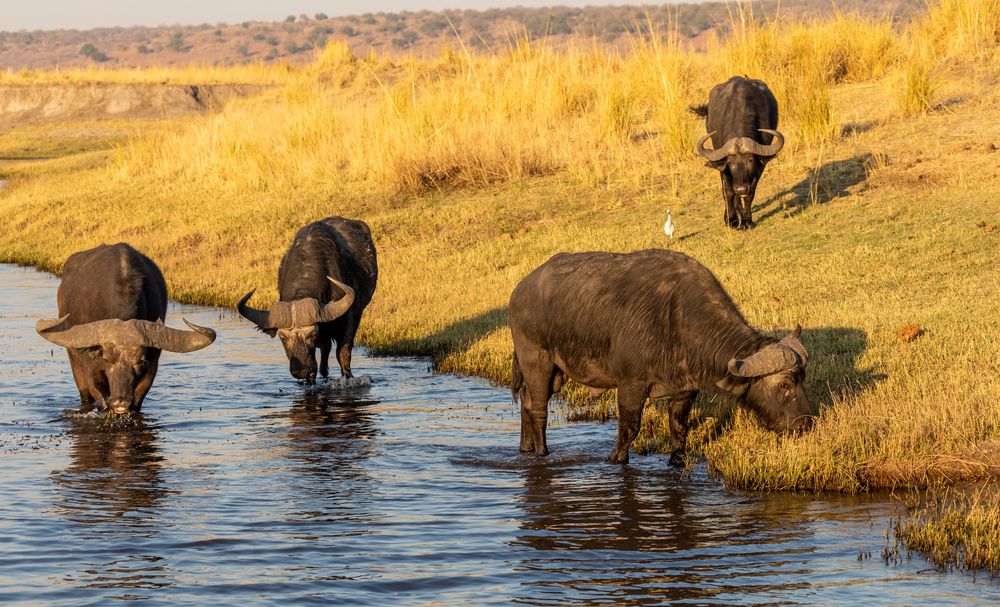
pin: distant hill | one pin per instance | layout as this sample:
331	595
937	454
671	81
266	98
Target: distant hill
419	33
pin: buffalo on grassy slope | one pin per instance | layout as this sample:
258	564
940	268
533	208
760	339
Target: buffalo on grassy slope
741	118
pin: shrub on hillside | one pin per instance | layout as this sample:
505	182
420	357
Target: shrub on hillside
92	52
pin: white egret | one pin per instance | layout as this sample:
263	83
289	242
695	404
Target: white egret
668	227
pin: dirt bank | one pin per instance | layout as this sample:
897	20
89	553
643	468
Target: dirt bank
32	104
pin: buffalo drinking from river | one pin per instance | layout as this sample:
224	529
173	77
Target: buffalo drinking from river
654	324
325	280
112	304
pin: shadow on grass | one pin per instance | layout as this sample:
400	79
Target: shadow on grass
455	338
856	128
821	185
833	372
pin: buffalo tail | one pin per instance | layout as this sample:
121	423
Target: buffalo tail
516	382
699	110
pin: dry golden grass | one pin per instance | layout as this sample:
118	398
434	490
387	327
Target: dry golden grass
254	73
472	170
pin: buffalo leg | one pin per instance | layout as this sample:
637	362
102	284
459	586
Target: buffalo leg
679	409
142	388
344	346
99	390
83	384
631	399
325	344
746	213
539	371
732	215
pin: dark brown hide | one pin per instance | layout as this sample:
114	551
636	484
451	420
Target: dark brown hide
337	248
112	303
738	115
650	323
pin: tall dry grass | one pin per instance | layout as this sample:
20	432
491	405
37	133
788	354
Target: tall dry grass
960	29
385	128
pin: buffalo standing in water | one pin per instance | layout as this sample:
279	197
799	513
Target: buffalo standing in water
654	324
741	117
112	304
325	280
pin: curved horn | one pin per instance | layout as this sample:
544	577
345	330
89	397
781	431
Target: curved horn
60	332
767	150
257	317
336	309
177	340
127	333
769	359
791	341
710	155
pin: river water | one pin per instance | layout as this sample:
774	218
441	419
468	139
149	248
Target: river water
242	487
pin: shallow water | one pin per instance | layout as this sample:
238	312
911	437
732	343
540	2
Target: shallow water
241	486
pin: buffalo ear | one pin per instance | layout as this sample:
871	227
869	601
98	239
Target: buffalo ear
718	165
737	386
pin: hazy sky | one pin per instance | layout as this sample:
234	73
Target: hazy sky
85	14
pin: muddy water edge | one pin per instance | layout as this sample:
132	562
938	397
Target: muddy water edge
240	486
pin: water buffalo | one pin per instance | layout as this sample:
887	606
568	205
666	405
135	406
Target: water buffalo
112	303
741	117
654	324
325	280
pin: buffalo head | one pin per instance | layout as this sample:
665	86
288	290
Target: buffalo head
769	382
295	323
741	161
123	351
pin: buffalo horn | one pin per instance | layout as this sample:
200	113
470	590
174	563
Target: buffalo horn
257	317
791	341
767	150
711	155
299	313
126	333
338	308
769	359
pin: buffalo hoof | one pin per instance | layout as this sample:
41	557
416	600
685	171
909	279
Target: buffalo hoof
618	458
677	459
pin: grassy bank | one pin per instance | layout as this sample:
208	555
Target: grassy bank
471	170
954	529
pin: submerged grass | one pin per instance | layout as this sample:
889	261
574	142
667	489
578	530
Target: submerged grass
472	170
954	529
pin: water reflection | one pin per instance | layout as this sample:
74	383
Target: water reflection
113	489
112	476
328	439
598	534
408	494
